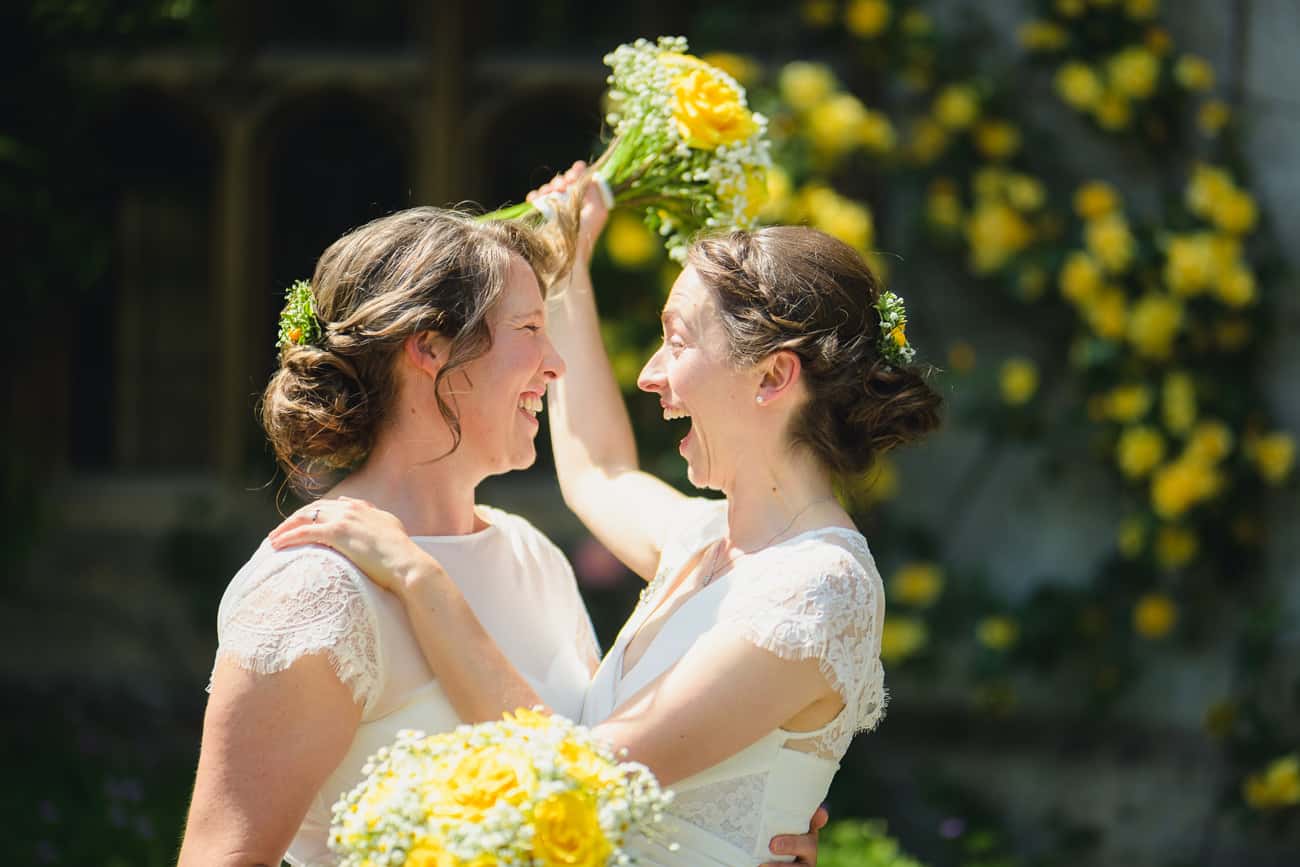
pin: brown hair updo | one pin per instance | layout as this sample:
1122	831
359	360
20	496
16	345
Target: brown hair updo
423	269
798	289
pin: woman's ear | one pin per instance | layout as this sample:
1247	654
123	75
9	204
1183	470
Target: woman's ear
780	374
425	352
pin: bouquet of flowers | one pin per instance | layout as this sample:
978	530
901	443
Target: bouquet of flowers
531	790
686	149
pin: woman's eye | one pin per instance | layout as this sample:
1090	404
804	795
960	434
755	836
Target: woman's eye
533	328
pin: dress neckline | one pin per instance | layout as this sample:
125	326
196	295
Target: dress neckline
488	515
622	673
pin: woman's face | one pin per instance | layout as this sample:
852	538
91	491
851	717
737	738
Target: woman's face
499	394
694	376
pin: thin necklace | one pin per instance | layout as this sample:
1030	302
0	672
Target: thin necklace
717	548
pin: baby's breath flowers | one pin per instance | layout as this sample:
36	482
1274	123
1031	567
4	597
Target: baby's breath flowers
298	323
529	789
687	151
892	342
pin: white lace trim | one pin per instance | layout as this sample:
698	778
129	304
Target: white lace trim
291	604
731	809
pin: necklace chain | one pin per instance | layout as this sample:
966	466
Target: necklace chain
714	567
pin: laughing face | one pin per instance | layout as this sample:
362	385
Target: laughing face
499	394
695	378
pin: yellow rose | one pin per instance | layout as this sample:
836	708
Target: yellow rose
629	243
1079	85
927	142
586	766
876	132
997	139
1018	381
1208	187
902	637
1235	212
1142	10
1128	403
995	233
917	584
430	854
943	204
1095	199
838	216
957	106
1025	193
1134	72
1112	111
998	633
1175	547
961	357
1153	326
1194	73
1139	451
1236	288
567	832
529	718
1180	485
1178	402
1210	442
1080	278
744	69
805	84
1277	786
487	776
1189	263
1110	242
1132	537
707	108
1154	616
1042	36
1273	455
1212	117
779	188
835	124
1108	314
866	18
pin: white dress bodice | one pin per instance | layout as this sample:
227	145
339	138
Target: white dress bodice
815	595
283	605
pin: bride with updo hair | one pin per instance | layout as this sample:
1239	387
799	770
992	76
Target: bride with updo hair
753	656
412	367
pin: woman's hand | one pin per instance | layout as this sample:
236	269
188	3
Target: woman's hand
594	211
373	539
802	846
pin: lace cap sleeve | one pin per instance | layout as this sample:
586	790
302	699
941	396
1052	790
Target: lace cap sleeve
820	601
299	602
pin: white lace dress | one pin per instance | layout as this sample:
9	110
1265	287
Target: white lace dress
815	595
284	605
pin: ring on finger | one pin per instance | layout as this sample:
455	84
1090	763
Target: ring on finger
315	516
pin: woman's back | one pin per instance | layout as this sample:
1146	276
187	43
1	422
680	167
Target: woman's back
816	596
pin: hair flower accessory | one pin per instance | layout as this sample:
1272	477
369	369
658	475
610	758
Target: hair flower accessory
892	342
298	323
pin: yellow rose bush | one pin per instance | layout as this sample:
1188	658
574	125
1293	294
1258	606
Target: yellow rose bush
531	789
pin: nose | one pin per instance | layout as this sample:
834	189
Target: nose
553	365
652	375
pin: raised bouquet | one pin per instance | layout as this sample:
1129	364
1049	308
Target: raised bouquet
531	789
686	149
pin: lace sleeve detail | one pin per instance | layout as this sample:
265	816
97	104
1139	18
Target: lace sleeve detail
301	602
827	604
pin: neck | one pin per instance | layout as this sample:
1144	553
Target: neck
430	497
774	502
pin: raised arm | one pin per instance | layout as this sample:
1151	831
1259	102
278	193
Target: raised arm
591	435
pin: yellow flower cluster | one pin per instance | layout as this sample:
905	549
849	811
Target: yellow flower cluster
867	18
1018	381
835	121
530	788
1276	787
1154	616
821	207
1272	454
998	226
917	584
1107	91
902	638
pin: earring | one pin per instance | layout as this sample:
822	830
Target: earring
759	400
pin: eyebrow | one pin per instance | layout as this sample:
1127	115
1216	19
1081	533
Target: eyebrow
670	315
537	313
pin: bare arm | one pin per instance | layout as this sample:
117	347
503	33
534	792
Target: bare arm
591	434
269	743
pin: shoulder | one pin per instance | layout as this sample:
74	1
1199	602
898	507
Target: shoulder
829	574
307	581
532	546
